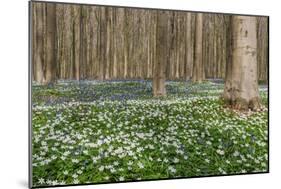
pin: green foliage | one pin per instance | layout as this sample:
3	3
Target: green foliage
125	134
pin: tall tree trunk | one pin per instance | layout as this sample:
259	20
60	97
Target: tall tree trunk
241	85
126	42
76	41
115	44
103	40
108	43
262	48
188	47
50	43
159	72
38	42
198	69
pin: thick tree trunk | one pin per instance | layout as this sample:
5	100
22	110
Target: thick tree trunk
50	43
198	69
241	85
159	72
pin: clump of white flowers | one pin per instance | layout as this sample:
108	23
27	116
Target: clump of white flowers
220	152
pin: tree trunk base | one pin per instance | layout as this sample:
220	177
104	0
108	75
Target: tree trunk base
197	81
158	86
243	104
159	94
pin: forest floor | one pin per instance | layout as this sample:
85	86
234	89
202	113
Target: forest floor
94	132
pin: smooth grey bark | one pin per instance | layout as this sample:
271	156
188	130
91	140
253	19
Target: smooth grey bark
241	85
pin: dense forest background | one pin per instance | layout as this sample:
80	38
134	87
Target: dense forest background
97	42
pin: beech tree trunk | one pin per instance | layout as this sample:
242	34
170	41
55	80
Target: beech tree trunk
188	47
50	43
38	45
159	72
198	69
262	48
76	41
103	44
241	85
